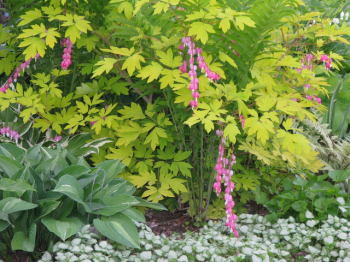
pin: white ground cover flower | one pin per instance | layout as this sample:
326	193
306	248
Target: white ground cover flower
258	241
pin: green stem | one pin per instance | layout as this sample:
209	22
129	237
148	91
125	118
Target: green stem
74	71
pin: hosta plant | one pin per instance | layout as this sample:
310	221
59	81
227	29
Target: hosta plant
48	194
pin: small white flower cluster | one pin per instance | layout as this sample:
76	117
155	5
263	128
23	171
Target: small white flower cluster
259	241
338	20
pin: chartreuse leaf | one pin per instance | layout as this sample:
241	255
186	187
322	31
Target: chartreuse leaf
231	131
119	228
169	77
30	16
176	184
160	7
21	241
201	30
128	134
50	36
168	58
133	112
120	51
105	66
143	179
244	20
76	24
153	137
155	195
35	30
63	228
34	45
127	8
133	62
151	72
225	58
261	128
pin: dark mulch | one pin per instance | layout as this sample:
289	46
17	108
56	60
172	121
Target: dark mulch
179	221
167	223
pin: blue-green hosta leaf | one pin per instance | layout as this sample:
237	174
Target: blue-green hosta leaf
79	147
119	228
70	187
12	151
10	205
76	171
144	203
112	169
19	186
134	214
55	164
63	228
3	224
115	204
9	166
46	206
119	186
21	241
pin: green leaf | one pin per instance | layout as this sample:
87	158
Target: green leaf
119	228
21	241
201	30
63	228
300	206
19	186
339	175
70	187
225	58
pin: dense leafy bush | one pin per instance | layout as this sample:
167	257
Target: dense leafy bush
182	88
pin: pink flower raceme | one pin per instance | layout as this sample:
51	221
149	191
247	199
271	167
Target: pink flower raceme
13	135
192	73
66	53
57	138
10	82
224	171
